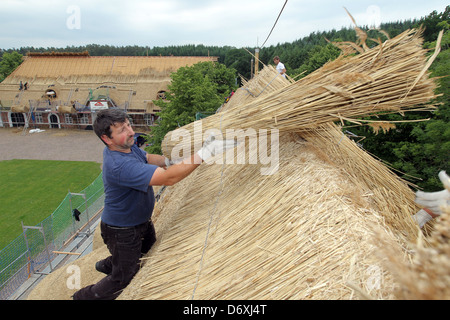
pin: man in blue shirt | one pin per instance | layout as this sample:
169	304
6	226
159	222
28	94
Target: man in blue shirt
128	176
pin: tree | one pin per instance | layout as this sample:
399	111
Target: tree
9	63
317	57
433	23
200	88
239	59
428	149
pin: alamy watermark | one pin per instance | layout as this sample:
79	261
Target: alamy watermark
375	277
373	14
73	282
253	146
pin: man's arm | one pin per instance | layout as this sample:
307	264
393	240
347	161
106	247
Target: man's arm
176	172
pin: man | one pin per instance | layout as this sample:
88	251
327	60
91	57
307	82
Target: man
280	66
128	176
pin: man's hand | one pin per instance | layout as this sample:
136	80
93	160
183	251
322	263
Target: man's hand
168	162
433	202
212	147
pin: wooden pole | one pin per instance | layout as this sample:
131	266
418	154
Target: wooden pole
256	61
69	253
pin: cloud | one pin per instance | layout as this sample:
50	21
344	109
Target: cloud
44	23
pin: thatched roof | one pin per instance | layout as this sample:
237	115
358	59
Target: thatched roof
302	233
307	229
55	66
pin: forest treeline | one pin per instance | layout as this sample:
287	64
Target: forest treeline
300	56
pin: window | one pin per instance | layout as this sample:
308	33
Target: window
148	119
84	119
161	95
68	119
50	93
38	117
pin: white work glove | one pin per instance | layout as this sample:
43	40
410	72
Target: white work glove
212	147
168	162
433	202
422	217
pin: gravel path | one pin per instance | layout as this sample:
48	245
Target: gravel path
51	144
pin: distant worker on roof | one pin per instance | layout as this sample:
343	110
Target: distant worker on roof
129	174
279	66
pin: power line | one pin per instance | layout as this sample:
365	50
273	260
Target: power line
275	23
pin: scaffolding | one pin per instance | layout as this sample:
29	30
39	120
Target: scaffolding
33	251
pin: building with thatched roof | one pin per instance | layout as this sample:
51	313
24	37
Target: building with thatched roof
65	89
328	222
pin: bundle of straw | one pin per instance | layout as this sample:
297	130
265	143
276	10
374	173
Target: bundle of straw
20	108
66	109
267	82
389	78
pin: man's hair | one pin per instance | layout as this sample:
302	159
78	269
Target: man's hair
276	58
107	118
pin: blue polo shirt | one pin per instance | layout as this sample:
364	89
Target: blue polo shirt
129	199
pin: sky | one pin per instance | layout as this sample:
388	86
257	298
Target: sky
149	23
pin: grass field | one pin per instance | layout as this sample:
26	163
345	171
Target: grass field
30	190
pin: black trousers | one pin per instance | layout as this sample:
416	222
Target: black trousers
127	246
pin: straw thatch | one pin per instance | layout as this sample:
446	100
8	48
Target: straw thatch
58	54
247	236
20	108
59	284
54	66
66	109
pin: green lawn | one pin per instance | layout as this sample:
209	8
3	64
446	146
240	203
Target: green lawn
30	190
